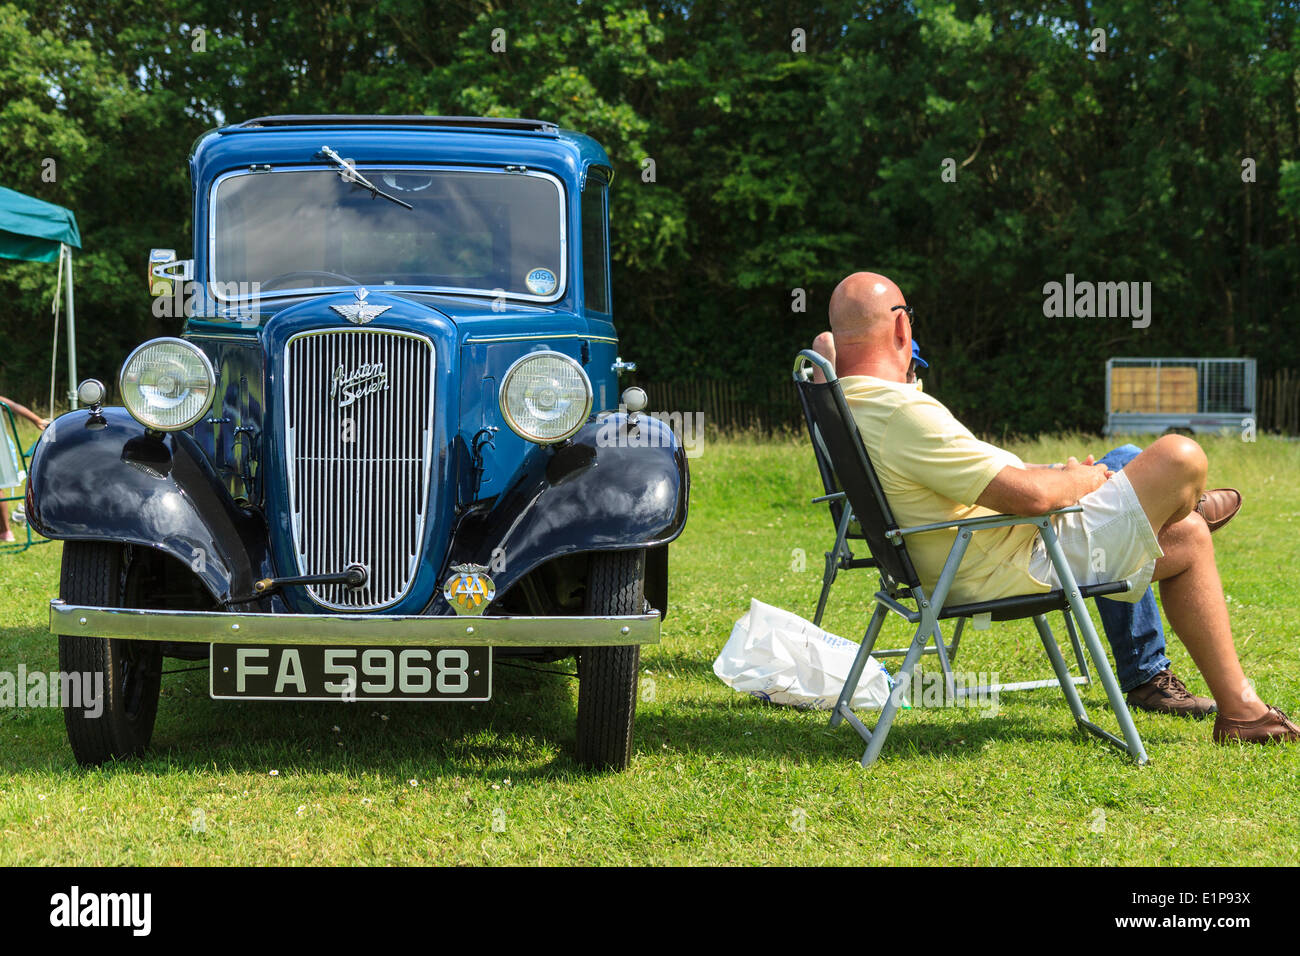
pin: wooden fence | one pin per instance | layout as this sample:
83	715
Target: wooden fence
729	406
1279	403
735	406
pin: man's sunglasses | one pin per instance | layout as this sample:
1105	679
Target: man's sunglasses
908	309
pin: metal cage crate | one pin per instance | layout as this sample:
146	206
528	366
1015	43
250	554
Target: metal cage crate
1153	395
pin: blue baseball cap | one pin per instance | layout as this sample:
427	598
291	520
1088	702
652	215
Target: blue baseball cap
916	355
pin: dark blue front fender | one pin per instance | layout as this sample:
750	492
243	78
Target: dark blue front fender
116	483
608	489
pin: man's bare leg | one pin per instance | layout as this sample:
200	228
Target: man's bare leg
1193	598
1169	477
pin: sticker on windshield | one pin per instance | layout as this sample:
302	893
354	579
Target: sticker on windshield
540	281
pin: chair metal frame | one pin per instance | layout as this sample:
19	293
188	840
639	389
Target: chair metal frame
10	425
864	497
841	558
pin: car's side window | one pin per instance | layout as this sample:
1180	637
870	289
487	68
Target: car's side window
595	258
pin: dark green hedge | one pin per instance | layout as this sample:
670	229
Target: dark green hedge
775	169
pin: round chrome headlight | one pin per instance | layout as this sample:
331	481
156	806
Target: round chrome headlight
545	397
167	384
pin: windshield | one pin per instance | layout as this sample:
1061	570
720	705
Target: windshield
467	231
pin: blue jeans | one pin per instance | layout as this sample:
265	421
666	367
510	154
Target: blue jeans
1136	636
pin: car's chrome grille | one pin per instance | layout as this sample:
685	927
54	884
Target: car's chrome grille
358	416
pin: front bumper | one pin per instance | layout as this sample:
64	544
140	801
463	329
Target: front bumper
217	627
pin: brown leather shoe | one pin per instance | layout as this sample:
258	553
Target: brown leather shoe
1218	506
1273	727
1166	694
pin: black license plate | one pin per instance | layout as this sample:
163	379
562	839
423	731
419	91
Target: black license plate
326	672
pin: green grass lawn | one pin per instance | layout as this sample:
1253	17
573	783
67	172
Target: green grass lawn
718	777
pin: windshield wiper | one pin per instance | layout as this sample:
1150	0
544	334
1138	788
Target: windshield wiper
350	174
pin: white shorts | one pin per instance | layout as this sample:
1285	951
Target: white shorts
1110	540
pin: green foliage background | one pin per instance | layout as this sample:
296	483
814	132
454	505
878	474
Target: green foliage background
775	169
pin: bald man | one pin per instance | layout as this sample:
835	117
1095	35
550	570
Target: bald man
1134	631
1139	524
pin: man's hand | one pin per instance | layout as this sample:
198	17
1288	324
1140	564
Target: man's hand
1091	475
1058	466
1092	461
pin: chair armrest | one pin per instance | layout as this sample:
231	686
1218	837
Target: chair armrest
987	521
835	496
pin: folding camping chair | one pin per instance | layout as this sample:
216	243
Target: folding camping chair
841	558
13	475
851	466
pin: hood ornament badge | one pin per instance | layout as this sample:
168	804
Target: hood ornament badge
469	590
361	313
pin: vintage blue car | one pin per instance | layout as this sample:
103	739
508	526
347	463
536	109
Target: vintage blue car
389	447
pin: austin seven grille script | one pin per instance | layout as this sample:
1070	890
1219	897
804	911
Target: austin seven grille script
365	379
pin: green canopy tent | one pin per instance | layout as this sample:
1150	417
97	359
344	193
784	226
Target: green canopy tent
39	231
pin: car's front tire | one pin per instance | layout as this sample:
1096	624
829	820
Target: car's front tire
120	725
607	676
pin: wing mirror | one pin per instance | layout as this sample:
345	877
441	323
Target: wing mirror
164	269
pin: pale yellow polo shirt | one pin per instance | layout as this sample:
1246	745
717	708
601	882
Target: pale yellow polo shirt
931	469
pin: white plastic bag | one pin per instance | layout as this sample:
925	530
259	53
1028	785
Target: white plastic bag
779	657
